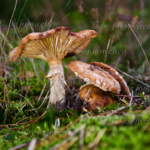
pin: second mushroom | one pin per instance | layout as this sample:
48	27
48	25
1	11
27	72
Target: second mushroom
100	79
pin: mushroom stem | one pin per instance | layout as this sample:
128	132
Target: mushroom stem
57	83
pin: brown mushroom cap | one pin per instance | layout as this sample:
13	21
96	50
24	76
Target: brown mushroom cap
124	88
96	98
52	45
99	78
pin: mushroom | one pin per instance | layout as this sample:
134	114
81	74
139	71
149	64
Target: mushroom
100	80
52	46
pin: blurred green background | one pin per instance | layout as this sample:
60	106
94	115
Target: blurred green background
109	18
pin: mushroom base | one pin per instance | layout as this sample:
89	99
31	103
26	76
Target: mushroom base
57	84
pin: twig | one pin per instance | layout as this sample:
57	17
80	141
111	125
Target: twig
16	123
12	102
114	112
131	99
125	95
34	121
32	144
124	102
20	146
132	77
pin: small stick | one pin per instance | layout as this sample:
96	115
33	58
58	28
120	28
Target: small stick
34	121
131	99
132	77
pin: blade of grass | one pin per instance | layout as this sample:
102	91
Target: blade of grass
67	4
140	45
41	94
94	143
15	31
108	45
9	25
21	11
52	16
